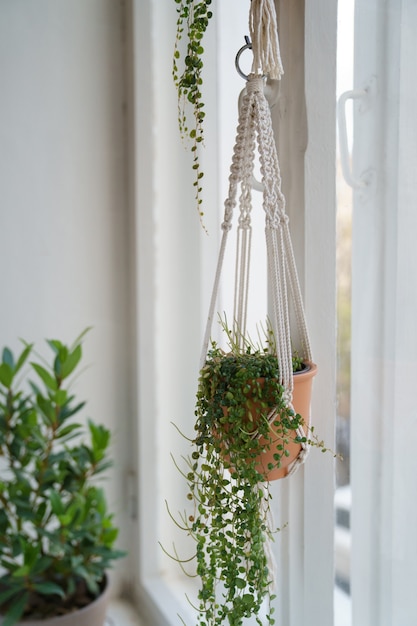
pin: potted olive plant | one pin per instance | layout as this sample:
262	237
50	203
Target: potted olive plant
246	434
56	535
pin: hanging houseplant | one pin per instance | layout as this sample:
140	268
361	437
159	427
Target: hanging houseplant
56	535
251	423
245	436
241	389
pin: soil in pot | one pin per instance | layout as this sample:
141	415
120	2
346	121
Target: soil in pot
82	609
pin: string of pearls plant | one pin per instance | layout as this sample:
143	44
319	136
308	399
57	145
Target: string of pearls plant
193	19
228	514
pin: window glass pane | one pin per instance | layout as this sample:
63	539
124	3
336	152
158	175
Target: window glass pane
344	232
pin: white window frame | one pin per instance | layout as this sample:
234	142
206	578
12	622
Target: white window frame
384	313
175	264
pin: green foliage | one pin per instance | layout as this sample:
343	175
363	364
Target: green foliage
239	400
229	520
55	530
193	19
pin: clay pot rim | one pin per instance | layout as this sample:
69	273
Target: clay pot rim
310	370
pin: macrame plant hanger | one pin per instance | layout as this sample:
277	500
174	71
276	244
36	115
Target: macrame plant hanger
255	131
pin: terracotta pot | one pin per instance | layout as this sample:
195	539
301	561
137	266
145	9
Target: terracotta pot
93	614
303	382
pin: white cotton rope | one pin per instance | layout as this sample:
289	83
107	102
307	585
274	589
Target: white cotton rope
255	130
264	36
255	134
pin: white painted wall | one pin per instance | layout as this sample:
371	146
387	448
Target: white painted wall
63	212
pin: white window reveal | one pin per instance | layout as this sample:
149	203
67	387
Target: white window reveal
175	269
384	313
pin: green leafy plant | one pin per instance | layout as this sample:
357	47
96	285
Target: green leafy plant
241	410
56	535
193	19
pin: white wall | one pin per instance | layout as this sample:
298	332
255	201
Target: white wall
63	211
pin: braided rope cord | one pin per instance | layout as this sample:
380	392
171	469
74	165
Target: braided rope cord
244	145
255	127
281	261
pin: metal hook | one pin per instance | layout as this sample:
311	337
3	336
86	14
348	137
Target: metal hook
247	46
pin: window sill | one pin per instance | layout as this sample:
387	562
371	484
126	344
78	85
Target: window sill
122	613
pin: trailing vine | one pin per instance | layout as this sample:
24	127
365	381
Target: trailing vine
241	413
193	19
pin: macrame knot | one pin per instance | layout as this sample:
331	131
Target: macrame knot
226	226
287	397
245	221
254	84
278	220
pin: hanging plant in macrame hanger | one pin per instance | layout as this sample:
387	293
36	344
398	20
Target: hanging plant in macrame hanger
252	416
255	139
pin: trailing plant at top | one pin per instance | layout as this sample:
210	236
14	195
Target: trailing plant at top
193	19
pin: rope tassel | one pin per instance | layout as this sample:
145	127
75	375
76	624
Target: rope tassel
264	35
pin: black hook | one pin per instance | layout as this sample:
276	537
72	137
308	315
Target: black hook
247	46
